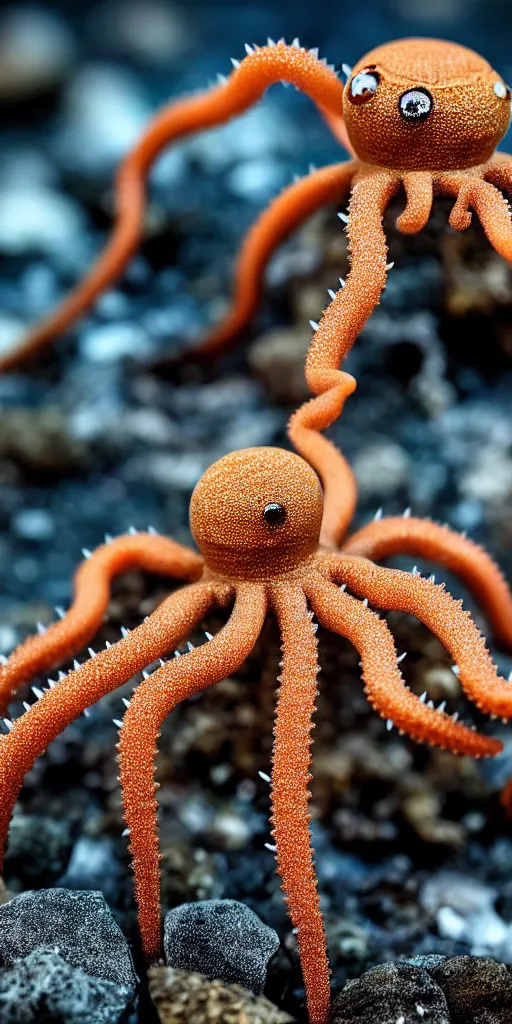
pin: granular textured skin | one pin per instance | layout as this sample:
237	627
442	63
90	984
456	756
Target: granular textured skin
190	998
258	566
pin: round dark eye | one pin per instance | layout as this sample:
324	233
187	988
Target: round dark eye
415	105
363	86
274	514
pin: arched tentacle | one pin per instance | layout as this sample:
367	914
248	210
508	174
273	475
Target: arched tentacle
57	708
339	327
487	201
147	552
291	760
499	171
154	699
246	84
284	215
384	685
418	187
442	614
398	535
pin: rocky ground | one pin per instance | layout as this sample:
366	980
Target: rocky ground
414	853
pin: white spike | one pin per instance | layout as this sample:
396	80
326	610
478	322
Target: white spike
456	670
177	654
314	51
124	632
86	553
108	538
389	724
296	43
347	70
455	716
92	653
126	832
389	266
342	282
152	531
3	659
264	776
145	673
312	168
343	587
37	692
40	628
313	324
415	571
235	62
132	531
271	42
248	49
423	697
431	705
162	662
406	513
51	683
296	178
365	602
126	702
118	722
26	705
76	665
269	846
8	724
86	712
107	644
442	706
401	657
343	217
221	79
60	611
190	646
61	675
378	514
432	578
331	293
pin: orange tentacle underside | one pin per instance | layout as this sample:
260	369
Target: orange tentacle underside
290	794
154	699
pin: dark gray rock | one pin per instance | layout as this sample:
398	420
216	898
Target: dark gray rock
66	950
221	939
42	988
391	994
478	990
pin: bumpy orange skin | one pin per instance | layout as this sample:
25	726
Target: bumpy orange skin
258	565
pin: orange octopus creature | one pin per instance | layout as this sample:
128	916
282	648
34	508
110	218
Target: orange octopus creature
269	530
420	115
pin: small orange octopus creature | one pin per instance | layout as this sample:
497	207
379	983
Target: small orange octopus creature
420	115
269	530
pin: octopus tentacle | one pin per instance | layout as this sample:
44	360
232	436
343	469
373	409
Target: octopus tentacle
499	171
418	187
283	216
57	708
290	795
339	327
147	552
246	84
444	616
408	535
487	201
154	699
384	685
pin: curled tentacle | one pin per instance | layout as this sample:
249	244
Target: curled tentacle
57	708
491	206
246	84
290	795
407	535
419	193
154	699
384	685
147	552
444	616
339	327
286	213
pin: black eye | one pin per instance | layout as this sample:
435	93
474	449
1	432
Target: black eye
363	86
415	105
274	514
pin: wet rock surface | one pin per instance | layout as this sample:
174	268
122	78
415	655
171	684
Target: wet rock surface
220	938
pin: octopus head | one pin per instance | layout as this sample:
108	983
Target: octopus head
424	104
257	513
